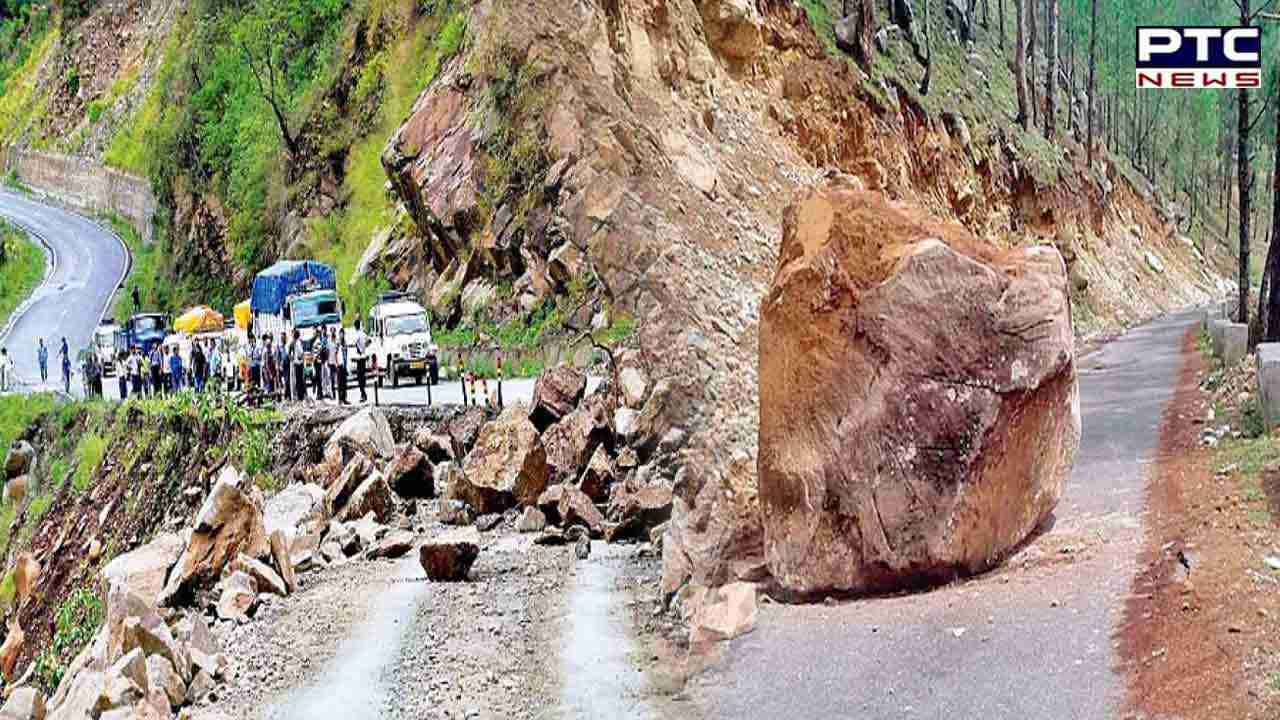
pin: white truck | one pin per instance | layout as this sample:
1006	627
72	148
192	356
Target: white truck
107	342
400	340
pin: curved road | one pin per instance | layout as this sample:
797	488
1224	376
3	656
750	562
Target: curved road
89	263
1035	639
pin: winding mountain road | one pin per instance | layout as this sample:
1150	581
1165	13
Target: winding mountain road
1035	639
88	264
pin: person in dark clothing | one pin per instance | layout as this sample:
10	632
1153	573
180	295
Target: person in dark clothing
199	367
341	367
157	358
319	362
137	300
65	352
362	344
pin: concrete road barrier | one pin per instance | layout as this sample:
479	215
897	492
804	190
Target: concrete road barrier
1217	328
1269	383
1235	343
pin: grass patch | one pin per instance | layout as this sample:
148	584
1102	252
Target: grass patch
89	453
22	270
75	622
17	412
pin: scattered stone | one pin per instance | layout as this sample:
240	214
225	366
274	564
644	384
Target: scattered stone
531	520
293	508
239	597
410	474
353	475
265	579
597	478
12	648
577	509
633	385
724	613
396	544
438	448
284	563
20	460
549	503
24	703
456	512
26	574
201	685
485	523
556	393
1273	562
636	513
228	524
160	674
331	551
372	497
449	556
551	536
16	490
582	547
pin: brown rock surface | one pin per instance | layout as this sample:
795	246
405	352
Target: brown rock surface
918	399
508	466
556	393
410	473
448	557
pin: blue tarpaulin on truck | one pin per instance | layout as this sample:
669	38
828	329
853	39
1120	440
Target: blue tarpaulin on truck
273	285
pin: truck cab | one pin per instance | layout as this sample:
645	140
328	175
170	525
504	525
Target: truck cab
106	345
400	340
146	331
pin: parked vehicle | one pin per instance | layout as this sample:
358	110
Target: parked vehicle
295	295
107	342
400	340
146	330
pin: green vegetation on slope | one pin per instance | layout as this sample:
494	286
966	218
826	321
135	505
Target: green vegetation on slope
20	272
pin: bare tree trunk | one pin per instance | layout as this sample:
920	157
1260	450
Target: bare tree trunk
1019	62
1051	84
1093	62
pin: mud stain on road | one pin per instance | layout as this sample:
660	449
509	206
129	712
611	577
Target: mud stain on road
1180	641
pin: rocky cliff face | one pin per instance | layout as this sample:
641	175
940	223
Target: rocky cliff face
674	133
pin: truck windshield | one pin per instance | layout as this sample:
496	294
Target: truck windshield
105	339
311	311
146	324
406	324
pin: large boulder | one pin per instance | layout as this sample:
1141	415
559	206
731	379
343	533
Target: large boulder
508	466
368	432
448	557
571	441
352	477
228	524
24	703
733	27
464	431
555	394
11	649
292	508
20	459
637	512
918	400
575	508
143	569
372	497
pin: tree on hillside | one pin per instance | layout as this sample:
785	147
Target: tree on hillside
1019	62
1093	63
1051	75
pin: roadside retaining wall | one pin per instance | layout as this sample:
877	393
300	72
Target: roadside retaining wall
84	185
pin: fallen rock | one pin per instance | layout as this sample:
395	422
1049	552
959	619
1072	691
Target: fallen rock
449	556
485	523
373	497
150	634
16	490
464	431
20	460
582	547
436	446
143	569
638	512
283	561
725	613
410	474
228	524
733	27
366	432
456	512
396	544
368	531
576	508
508	466
632	383
531	520
331	551
293	508
26	574
556	393
203	650
353	475
936	437
597	478
160	674
549	503
11	649
239	597
201	685
265	579
571	441
24	703
551	536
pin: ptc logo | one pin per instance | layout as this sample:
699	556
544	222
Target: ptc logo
1199	57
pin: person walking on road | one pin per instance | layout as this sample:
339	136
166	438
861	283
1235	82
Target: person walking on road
296	358
137	301
320	364
175	371
42	357
199	367
135	370
215	364
66	367
6	371
156	363
283	367
342	365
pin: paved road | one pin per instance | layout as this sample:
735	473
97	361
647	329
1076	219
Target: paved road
1032	641
88	265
